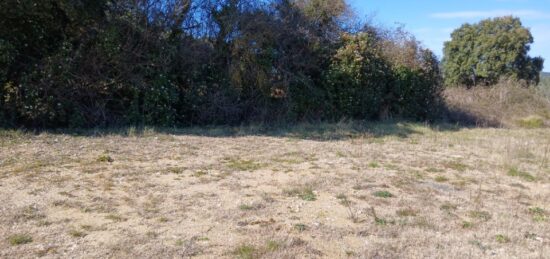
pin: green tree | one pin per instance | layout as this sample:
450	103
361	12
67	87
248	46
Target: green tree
76	63
481	53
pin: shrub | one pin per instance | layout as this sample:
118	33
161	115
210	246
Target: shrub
110	63
357	78
155	105
415	90
6	58
415	95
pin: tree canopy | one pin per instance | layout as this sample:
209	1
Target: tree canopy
482	53
67	63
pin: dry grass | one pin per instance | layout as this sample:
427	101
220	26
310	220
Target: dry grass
505	105
386	190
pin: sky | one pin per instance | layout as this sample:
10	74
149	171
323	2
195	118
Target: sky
432	21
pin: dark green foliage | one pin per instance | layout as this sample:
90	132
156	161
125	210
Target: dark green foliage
374	76
482	53
357	78
67	63
7	56
7	53
417	92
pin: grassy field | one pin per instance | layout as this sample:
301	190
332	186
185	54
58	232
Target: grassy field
387	190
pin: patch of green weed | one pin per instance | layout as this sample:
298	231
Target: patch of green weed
383	194
406	212
77	233
455	165
441	179
305	193
243	165
539	215
19	239
521	174
300	227
531	122
273	245
502	239
105	158
467	224
245	252
481	215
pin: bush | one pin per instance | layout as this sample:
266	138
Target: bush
7	54
357	78
416	93
308	101
415	88
410	94
155	104
151	62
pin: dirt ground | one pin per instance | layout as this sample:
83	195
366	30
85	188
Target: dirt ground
392	190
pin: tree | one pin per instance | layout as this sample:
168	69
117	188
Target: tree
481	53
82	63
323	12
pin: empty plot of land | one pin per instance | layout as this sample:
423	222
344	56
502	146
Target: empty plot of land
329	191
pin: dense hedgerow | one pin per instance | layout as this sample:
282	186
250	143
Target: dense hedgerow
70	63
358	78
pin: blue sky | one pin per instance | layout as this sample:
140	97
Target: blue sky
432	21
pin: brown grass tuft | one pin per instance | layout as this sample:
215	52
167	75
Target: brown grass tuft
504	105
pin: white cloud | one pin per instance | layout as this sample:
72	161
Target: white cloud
526	14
